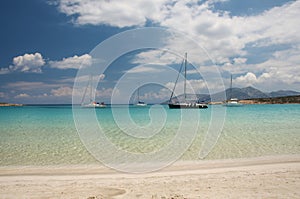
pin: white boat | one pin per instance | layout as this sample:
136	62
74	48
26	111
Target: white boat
94	105
140	103
91	103
185	104
232	102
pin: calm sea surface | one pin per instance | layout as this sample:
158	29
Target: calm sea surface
46	135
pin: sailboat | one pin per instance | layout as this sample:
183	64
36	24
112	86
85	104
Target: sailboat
140	103
92	103
185	104
232	102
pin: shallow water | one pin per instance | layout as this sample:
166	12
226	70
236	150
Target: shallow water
46	135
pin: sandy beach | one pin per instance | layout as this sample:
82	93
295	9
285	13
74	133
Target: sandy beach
264	177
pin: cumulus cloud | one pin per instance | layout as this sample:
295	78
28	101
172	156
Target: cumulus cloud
116	13
220	33
31	63
246	80
74	62
227	39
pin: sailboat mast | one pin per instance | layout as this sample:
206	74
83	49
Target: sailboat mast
91	88
185	63
179	72
138	93
230	95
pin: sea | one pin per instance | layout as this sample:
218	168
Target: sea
71	135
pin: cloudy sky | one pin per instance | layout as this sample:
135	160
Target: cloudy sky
44	43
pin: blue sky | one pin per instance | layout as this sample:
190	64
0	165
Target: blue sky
43	44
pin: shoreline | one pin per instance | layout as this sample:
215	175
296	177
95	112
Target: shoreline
271	176
181	165
10	104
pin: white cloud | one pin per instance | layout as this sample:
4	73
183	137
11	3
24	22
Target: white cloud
246	80
156	57
222	35
26	63
62	91
74	62
144	69
216	30
22	95
33	63
116	13
239	60
225	36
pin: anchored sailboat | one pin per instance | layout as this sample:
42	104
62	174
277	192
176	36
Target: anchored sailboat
185	104
140	103
91	103
234	102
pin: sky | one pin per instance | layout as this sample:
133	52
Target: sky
43	45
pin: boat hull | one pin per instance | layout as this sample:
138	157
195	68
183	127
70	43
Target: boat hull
187	106
94	105
233	104
141	105
91	106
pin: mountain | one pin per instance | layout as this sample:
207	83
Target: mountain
283	93
254	93
240	93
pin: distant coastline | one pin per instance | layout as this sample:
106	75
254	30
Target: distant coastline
9	104
268	100
273	100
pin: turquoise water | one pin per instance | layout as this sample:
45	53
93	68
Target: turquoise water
46	135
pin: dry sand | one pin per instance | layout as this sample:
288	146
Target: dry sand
267	177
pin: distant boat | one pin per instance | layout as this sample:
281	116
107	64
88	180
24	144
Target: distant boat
232	102
94	105
140	103
91	103
185	104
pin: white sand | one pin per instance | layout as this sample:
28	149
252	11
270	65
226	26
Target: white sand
267	177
